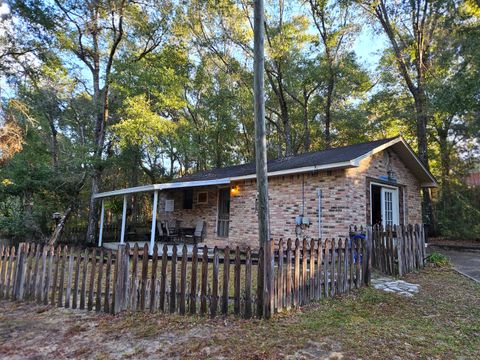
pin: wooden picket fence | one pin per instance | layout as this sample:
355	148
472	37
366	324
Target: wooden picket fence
204	281
398	250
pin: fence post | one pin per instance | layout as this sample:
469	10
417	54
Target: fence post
20	273
368	260
121	284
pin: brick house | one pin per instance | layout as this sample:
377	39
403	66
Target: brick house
317	194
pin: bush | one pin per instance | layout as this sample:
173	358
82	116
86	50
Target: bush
438	260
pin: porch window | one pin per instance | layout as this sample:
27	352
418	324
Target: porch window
188	198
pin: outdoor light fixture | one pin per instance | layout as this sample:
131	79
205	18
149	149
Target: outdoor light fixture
234	190
391	174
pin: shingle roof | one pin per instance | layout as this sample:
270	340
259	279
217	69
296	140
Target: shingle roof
317	158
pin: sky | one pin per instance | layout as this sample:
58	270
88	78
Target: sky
368	48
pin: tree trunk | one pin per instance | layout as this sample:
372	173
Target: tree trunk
60	226
306	128
328	109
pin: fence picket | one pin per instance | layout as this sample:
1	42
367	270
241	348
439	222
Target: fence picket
319	273
248	284
30	258
332	266
326	259
173	281
203	295
339	266
68	291
48	280
311	274
226	279
237	281
108	270
214	299
260	277
91	285
62	253
280	277
193	281
296	279
98	295
288	290
303	277
134	281
53	295
76	278
3	272
143	291
10	265
183	280
83	291
153	282
41	284
163	278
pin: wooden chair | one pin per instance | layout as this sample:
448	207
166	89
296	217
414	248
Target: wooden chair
198	234
160	232
172	231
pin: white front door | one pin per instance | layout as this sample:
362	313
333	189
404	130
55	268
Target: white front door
390	206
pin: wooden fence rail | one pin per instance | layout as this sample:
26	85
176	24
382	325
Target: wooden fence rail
398	250
205	281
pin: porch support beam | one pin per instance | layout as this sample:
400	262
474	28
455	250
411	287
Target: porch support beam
124	220
102	217
154	222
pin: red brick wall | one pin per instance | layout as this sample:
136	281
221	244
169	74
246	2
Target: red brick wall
345	201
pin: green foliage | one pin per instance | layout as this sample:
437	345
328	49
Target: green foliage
458	212
180	96
438	260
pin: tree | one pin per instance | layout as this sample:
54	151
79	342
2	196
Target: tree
336	27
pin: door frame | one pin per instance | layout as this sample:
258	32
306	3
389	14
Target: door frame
396	187
219	188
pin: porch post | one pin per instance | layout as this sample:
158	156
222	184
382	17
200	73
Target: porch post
154	222
102	217
124	220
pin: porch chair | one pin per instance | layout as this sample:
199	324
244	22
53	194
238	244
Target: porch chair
198	234
161	233
172	231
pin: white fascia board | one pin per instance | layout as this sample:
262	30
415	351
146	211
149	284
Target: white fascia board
184	184
401	140
164	186
344	164
126	191
376	150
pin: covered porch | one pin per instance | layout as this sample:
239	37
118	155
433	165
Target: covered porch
174	220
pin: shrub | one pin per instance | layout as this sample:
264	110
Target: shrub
438	260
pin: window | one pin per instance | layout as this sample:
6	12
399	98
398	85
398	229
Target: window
169	205
188	199
202	197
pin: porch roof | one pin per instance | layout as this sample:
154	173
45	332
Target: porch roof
163	186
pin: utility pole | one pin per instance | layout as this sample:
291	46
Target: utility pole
261	156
